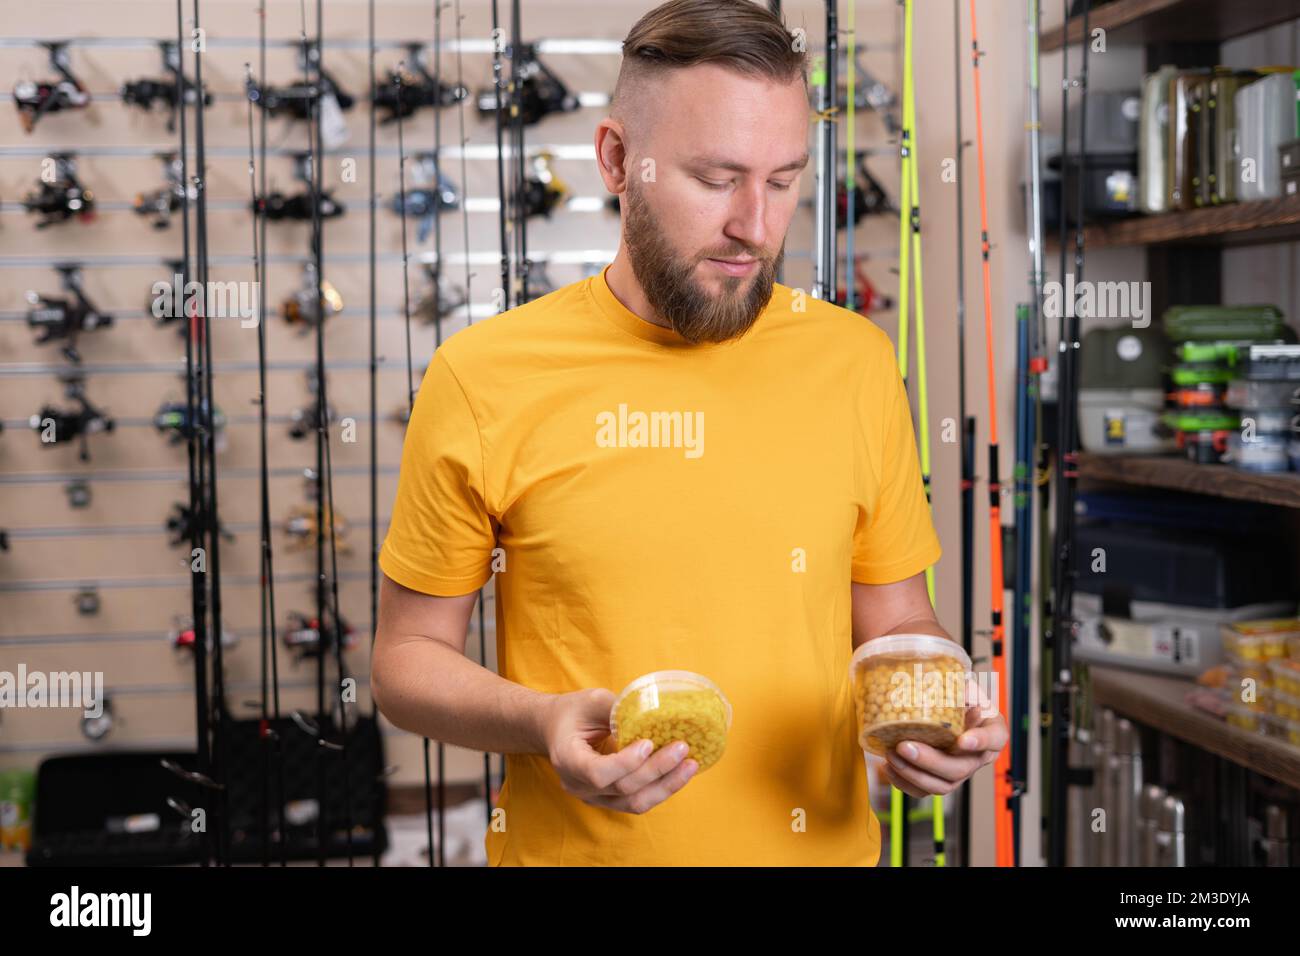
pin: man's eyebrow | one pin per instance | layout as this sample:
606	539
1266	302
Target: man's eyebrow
717	162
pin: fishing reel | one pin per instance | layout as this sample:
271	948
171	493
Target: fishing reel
182	637
182	524
871	94
539	283
543	190
541	92
173	420
410	87
295	100
302	531
65	319
866	297
168	90
60	197
278	206
869	198
306	420
423	202
303	634
172	304
58	427
302	309
440	298
34	99
161	204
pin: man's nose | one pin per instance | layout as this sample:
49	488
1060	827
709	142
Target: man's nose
748	222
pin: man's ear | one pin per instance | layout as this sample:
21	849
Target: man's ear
611	155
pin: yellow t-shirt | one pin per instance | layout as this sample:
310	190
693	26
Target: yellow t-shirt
720	539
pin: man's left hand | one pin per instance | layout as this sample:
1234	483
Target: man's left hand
919	769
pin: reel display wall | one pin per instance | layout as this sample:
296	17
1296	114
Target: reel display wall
91	580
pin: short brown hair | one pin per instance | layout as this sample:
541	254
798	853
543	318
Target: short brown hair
739	34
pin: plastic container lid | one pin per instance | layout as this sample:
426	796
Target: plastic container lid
652	684
910	645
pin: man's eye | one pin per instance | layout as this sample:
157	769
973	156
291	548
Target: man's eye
711	184
780	186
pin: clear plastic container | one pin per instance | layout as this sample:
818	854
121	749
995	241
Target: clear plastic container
1284	674
1244	393
1288	730
1263	453
1285	705
909	687
1239	691
1244	718
666	706
1259	640
1246	667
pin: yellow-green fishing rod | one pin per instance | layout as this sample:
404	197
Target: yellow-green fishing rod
909	255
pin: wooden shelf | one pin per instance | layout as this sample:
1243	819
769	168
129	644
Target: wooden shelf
1222	481
1232	224
1158	702
1175	21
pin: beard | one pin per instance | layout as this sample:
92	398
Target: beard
669	283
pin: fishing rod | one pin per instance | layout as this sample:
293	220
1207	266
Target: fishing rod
497	80
967	437
266	588
322	429
410	410
208	458
1067	473
437	343
327	601
198	574
269	733
519	209
825	244
850	149
1031	364
374	382
1005	854
909	266
482	599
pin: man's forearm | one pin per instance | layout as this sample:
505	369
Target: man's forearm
428	688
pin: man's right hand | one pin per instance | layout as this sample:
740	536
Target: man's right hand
633	780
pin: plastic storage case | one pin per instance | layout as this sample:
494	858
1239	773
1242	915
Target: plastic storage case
1266	118
1260	640
910	687
664	706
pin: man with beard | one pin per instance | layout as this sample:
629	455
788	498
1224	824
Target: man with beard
562	447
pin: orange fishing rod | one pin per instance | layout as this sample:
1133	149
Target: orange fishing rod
1002	819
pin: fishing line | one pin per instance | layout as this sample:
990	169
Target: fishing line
1005	855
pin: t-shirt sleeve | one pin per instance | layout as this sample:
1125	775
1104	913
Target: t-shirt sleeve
894	537
441	534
